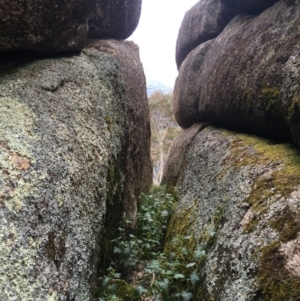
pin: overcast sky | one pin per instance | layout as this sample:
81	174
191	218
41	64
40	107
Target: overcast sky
156	36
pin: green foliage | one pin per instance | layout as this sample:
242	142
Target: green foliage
167	276
114	289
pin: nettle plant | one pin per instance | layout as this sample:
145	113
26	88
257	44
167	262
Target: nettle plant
163	275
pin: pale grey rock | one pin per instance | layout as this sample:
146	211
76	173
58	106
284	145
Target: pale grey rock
65	139
176	155
137	161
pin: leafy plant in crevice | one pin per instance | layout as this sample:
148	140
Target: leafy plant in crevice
165	276
175	274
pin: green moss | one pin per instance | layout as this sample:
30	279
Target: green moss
113	217
117	289
275	282
108	121
272	101
125	291
293	114
181	224
284	175
218	217
244	101
287	224
181	244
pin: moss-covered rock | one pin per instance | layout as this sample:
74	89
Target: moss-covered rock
239	198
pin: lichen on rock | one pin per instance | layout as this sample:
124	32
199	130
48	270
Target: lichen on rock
244	191
65	138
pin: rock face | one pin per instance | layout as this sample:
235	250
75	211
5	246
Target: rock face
67	144
137	161
43	25
239	199
248	6
238	194
186	90
249	78
206	19
114	19
46	26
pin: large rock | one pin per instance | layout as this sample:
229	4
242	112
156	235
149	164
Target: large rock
239	204
249	78
176	159
66	138
204	21
186	90
114	19
249	6
138	121
44	25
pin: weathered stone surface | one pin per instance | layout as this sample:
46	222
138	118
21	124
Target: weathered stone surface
44	25
58	26
186	90
248	6
204	21
249	78
65	139
137	161
239	199
176	155
114	19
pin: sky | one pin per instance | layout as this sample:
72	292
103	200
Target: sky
156	37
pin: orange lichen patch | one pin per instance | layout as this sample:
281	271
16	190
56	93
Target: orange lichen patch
19	162
291	252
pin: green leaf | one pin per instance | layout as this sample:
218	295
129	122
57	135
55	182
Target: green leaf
117	250
211	233
163	285
184	251
186	296
199	253
179	276
194	278
140	290
164	213
105	281
190	264
112	289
